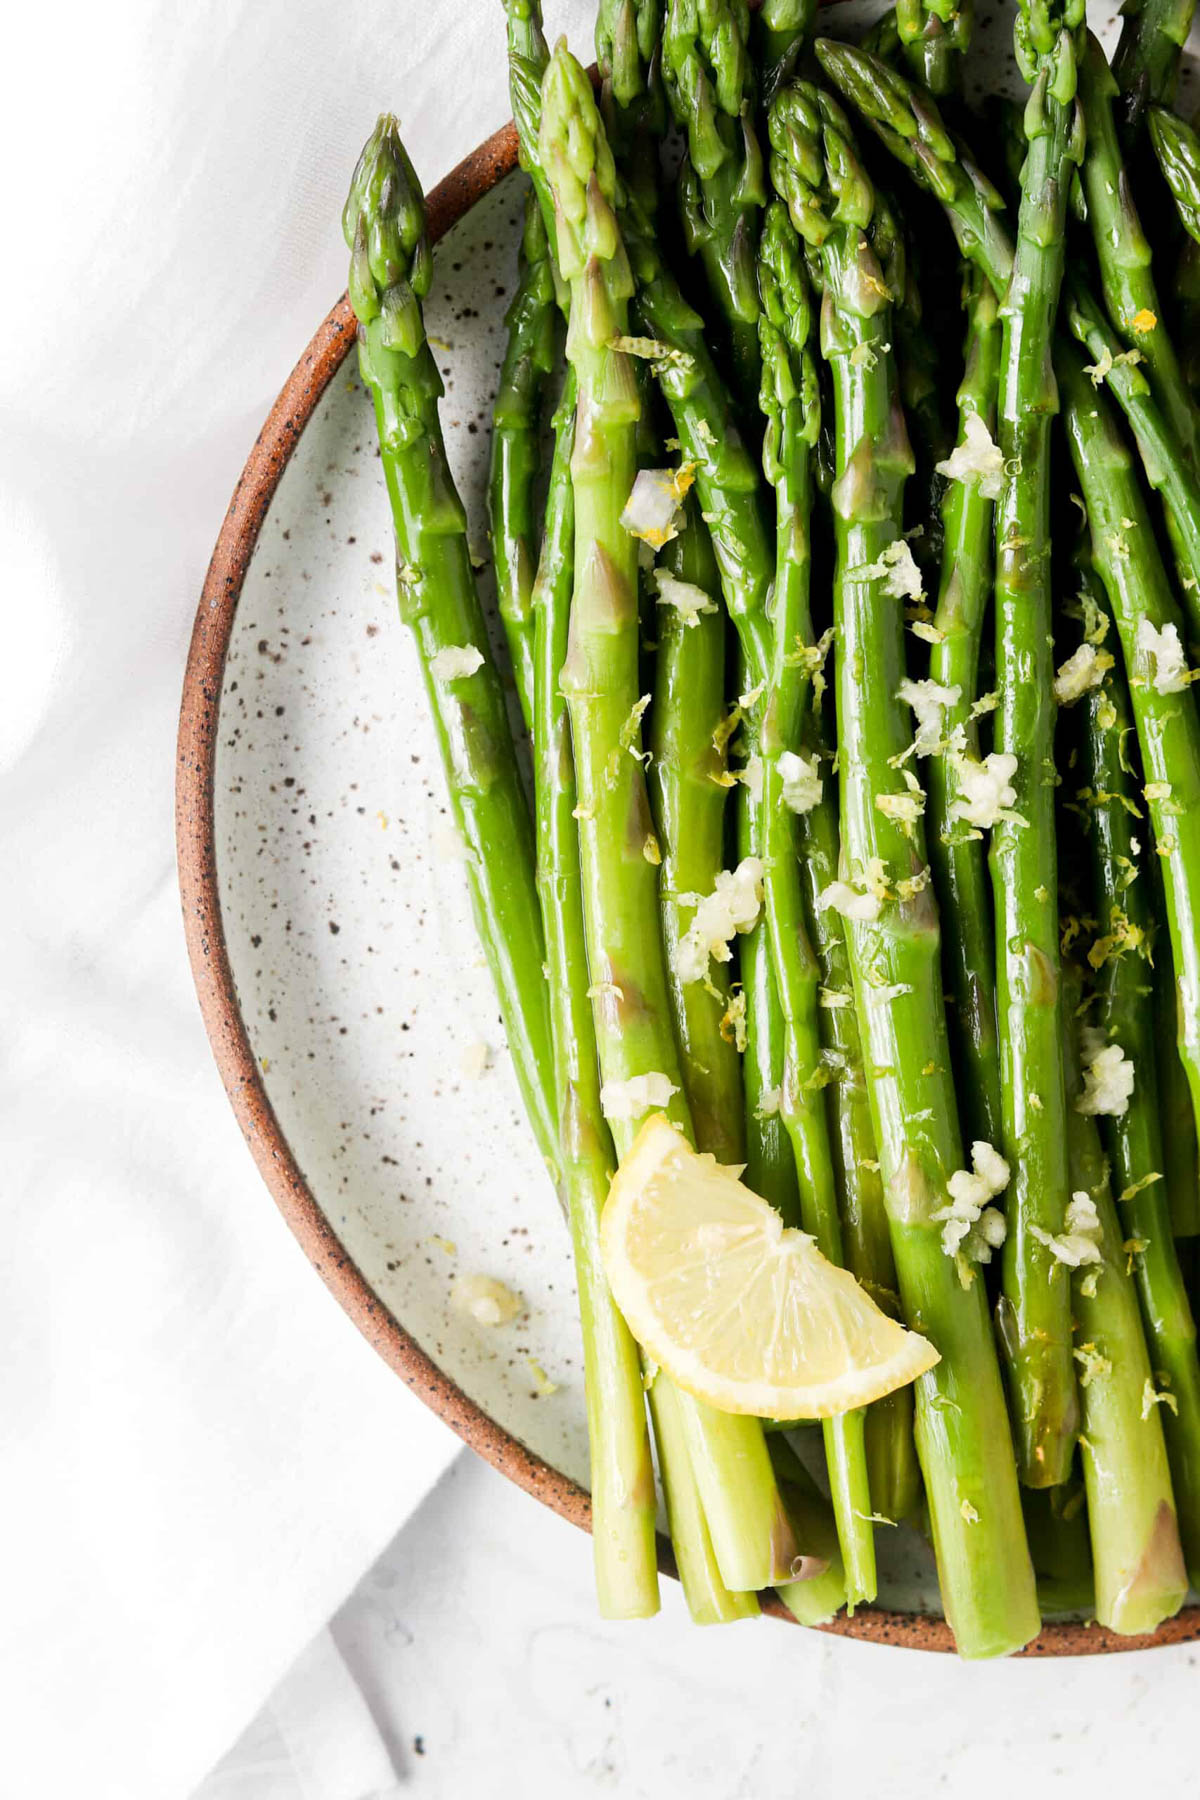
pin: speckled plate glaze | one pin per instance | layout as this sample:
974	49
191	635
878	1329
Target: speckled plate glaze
330	932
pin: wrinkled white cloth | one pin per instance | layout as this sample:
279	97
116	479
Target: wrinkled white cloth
198	1454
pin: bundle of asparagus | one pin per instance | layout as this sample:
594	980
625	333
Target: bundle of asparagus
853	932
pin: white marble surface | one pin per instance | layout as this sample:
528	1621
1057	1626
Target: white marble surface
475	1644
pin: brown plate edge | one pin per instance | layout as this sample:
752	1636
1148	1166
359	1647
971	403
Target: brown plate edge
239	1071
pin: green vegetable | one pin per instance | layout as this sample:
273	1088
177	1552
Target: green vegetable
1140	1578
934	35
390	269
1177	147
622	1478
781	29
632	101
1035	1318
956	851
791	405
963	1437
1146	62
1168	729
751	1537
709	79
529	358
1162	461
1123	253
818	1594
687	770
907	121
1121	954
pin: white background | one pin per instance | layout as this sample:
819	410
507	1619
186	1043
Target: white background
198	1457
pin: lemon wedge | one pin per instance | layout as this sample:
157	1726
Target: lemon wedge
740	1310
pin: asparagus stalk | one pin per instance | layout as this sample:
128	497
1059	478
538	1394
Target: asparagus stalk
632	100
1181	1160
727	483
893	1474
1136	1557
791	404
528	55
390	269
687	771
1185	290
709	78
1121	956
1168	729
770	1165
1162	462
1146	63
922	385
819	1592
709	1600
963	1436
934	35
528	361
750	1533
1123	253
1036	1324
623	1497
1177	147
956	852
781	28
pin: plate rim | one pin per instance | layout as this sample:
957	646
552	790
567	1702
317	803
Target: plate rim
196	855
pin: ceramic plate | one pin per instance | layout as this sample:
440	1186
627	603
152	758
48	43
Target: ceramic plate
329	923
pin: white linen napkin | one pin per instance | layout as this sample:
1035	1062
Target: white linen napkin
198	1454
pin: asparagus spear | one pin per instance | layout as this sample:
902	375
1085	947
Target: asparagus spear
687	774
709	1600
963	1436
632	101
1136	1557
770	1165
818	1594
623	1500
1168	729
528	360
894	1477
528	55
791	404
709	78
727	484
390	269
1181	1158
687	756
1121	955
781	28
934	35
1177	147
1162	462
727	478
1123	253
1036	1325
956	852
750	1533
1146	62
